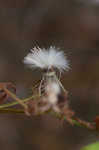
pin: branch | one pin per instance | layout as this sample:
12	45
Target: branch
12	110
15	103
76	121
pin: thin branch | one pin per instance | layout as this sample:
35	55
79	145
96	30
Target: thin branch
12	110
76	121
15	103
15	98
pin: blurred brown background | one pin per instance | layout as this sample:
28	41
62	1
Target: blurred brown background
72	25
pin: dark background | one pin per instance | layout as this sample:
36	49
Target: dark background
72	25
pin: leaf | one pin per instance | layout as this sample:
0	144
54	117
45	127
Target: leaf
94	146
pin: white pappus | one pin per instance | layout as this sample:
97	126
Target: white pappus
46	59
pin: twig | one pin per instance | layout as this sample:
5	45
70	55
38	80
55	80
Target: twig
11	110
85	124
15	103
78	122
15	98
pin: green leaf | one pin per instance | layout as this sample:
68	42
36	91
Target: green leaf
94	146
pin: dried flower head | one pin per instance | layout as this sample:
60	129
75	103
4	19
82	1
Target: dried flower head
47	59
50	88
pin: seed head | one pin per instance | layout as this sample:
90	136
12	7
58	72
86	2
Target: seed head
47	59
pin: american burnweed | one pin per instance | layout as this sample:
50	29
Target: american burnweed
49	95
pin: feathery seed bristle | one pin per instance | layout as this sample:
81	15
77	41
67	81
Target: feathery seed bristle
42	58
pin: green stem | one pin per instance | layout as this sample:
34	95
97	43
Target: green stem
11	110
15	98
79	122
20	111
4	109
15	103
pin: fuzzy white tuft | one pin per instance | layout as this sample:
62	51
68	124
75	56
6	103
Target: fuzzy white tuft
52	90
54	87
42	58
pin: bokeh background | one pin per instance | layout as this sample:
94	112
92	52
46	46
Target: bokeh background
71	25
